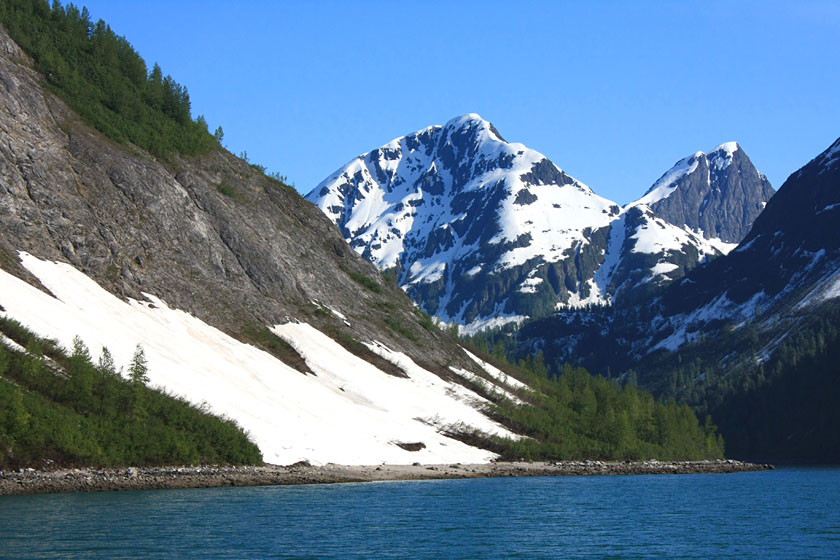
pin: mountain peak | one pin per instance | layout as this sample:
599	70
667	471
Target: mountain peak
468	120
472	123
462	214
717	194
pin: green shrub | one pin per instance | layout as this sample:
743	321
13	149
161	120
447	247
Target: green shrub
363	280
226	189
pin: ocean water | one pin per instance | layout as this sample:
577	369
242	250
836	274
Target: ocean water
787	513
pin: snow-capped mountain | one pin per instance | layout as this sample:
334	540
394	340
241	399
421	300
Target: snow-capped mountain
481	232
467	219
783	271
791	256
718	194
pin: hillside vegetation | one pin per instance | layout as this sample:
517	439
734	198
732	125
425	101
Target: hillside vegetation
575	415
784	408
64	409
100	76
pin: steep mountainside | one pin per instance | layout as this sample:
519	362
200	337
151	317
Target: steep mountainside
718	194
204	253
137	225
739	307
789	259
482	232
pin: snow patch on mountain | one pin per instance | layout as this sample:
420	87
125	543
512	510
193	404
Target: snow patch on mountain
666	184
829	158
491	322
658	236
685	326
722	155
612	258
350	412
495	372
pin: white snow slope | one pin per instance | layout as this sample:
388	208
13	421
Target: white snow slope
349	413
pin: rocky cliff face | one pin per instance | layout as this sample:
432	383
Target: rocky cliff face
210	235
718	194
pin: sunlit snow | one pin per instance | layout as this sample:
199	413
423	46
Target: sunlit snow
350	412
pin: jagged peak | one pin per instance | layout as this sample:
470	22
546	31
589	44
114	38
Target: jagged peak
719	158
666	184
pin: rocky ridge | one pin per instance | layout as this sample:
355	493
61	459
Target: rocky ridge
718	194
482	232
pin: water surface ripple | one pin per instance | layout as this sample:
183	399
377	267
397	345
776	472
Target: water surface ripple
787	513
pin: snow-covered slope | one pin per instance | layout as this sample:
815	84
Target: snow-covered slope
644	252
349	412
465	218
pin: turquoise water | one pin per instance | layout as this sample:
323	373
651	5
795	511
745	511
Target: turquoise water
787	513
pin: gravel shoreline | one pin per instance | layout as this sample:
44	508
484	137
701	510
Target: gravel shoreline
29	481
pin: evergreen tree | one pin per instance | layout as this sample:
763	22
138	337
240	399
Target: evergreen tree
138	368
137	374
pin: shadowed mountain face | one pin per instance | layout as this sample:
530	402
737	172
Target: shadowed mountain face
718	194
786	269
482	232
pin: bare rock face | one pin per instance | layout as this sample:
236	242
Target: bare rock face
720	193
208	234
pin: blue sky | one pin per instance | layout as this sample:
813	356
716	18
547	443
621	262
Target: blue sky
612	92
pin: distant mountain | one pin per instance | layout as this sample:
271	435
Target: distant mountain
482	232
749	337
788	261
791	256
718	194
478	230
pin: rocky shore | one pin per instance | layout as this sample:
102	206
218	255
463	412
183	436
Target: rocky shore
30	481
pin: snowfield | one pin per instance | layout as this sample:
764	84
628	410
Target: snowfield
350	412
